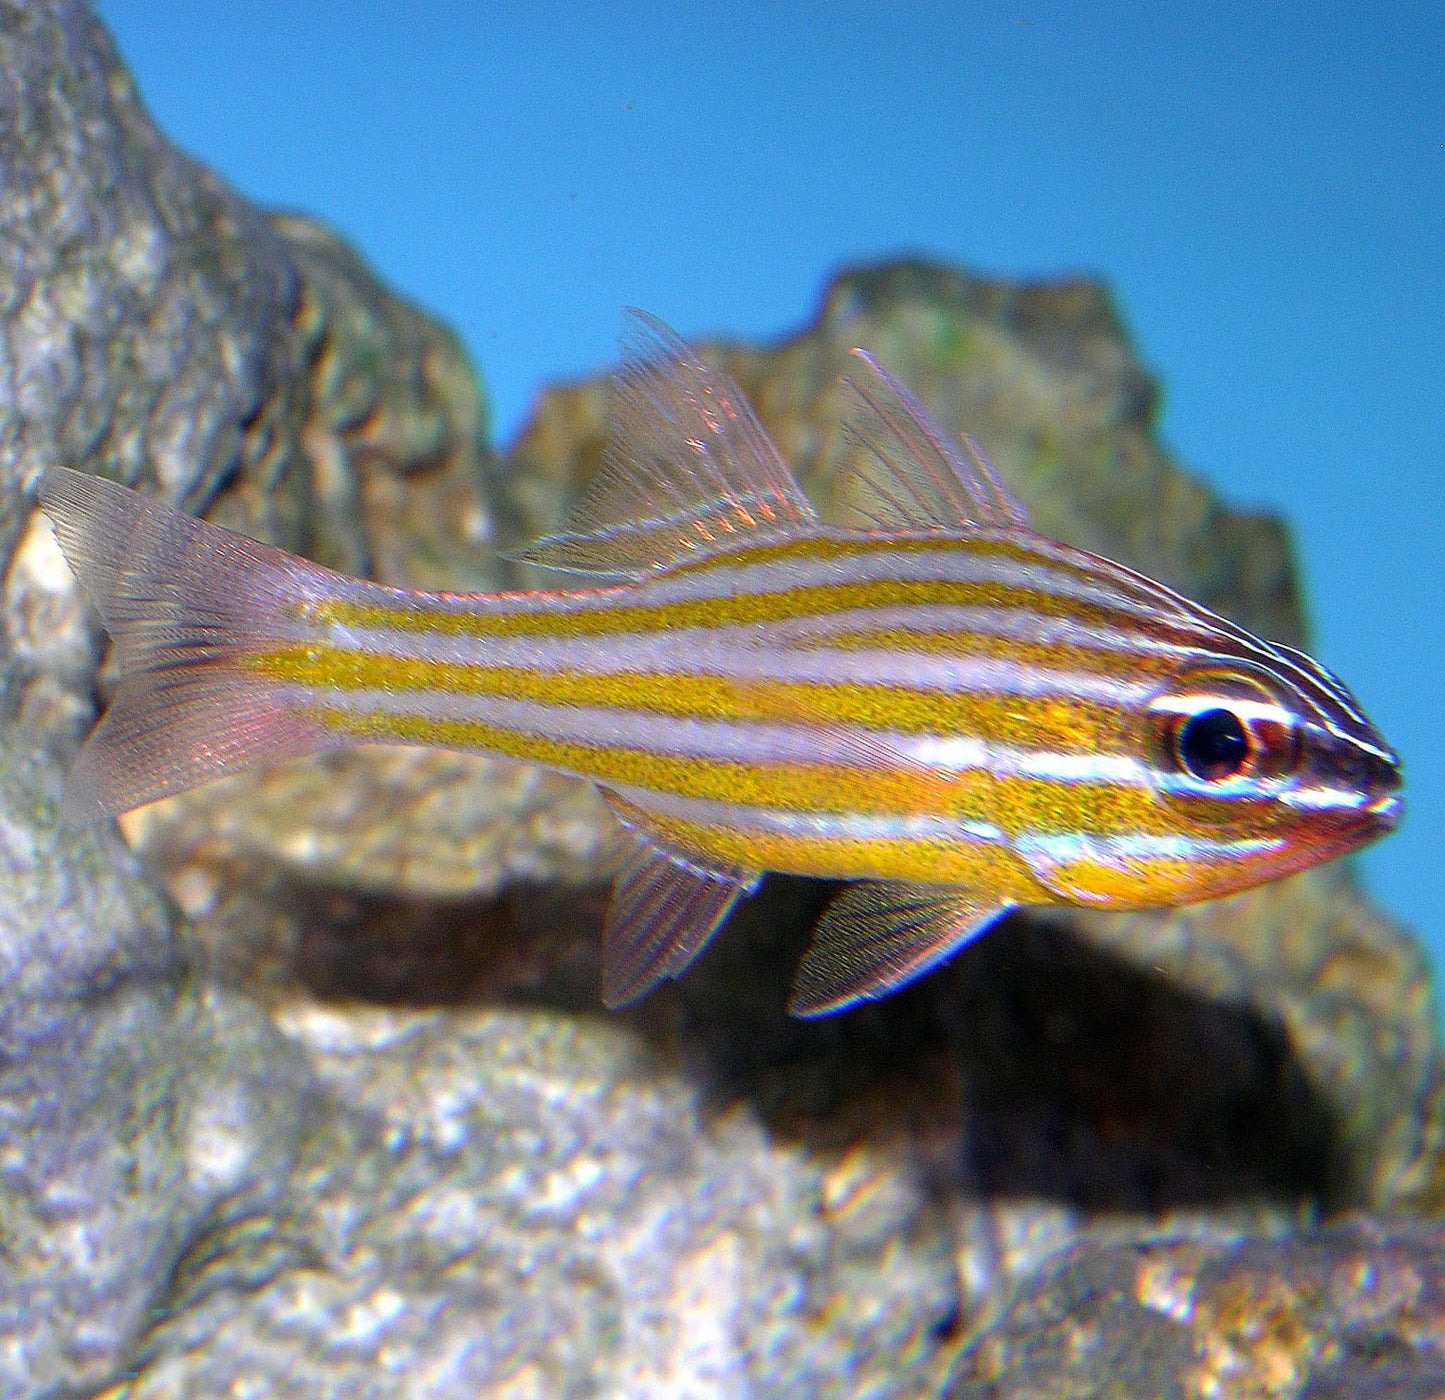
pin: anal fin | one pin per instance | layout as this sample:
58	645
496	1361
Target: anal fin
877	935
666	906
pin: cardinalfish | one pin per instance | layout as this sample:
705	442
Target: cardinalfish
931	701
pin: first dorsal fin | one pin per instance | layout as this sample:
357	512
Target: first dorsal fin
688	470
902	472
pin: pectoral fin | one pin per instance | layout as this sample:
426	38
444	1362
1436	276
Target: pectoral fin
666	906
1085	869
877	935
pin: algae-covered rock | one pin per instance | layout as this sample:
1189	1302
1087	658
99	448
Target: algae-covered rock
346	1118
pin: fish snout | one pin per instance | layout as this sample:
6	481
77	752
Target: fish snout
1372	772
1383	782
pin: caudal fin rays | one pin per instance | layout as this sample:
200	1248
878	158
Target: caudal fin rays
186	603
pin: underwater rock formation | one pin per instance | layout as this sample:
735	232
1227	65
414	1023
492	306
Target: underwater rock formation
347	1118
1353	1312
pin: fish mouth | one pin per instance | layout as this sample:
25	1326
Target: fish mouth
1386	811
1378	773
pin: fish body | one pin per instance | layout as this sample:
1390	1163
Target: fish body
934	702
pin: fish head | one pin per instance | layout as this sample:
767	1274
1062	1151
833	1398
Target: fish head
1269	766
1258	766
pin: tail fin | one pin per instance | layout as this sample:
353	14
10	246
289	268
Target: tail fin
184	602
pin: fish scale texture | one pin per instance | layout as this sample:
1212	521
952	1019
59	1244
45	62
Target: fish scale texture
346	1118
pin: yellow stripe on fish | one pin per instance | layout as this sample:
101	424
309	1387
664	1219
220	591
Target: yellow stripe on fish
1022	720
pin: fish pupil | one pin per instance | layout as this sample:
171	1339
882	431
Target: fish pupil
1213	745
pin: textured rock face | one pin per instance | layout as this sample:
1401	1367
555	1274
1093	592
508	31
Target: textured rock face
1352	1311
506	1202
346	1118
135	1103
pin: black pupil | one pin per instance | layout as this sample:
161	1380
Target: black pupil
1213	745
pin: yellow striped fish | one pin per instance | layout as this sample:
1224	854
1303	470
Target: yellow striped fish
934	702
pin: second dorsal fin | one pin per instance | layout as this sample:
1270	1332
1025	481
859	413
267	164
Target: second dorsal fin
902	472
688	471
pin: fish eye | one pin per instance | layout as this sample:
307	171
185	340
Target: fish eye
1212	745
1213	724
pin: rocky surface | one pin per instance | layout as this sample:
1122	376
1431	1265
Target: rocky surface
509	1205
342	1115
1354	1311
136	1103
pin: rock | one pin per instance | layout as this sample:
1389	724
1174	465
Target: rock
78	913
514	1204
143	308
134	1103
1356	1310
346	1118
394	434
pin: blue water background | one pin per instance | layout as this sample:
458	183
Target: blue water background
1264	187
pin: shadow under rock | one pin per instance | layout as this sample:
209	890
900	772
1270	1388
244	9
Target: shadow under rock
533	946
1033	1065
